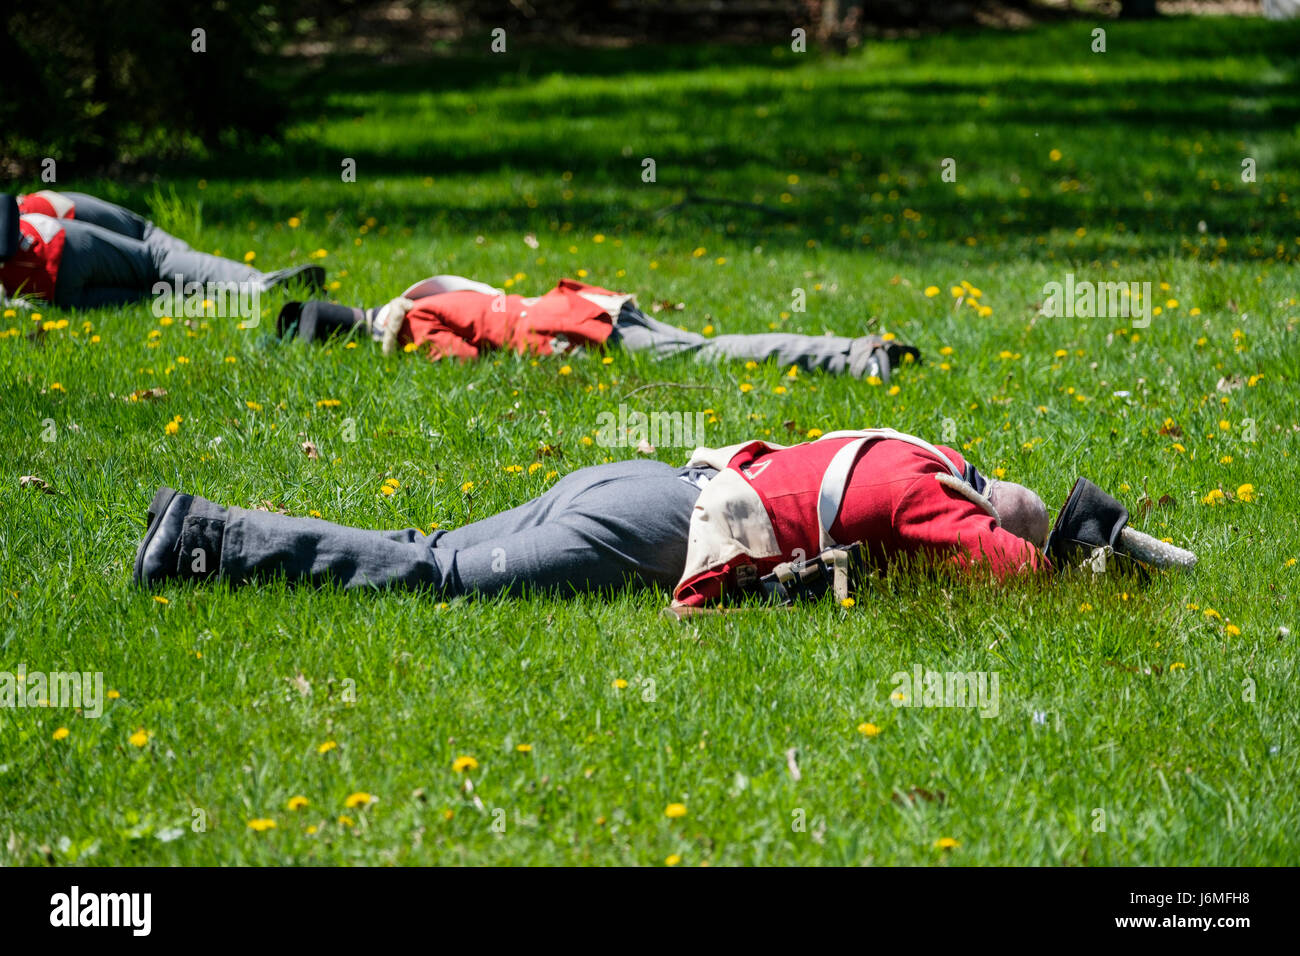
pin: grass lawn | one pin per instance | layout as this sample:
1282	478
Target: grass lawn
1138	723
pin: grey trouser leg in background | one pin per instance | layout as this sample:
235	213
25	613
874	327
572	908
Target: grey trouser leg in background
124	222
597	528
104	267
638	332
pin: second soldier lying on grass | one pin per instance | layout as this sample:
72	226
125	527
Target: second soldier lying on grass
454	317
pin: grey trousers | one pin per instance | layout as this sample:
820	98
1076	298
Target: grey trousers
112	256
638	332
599	528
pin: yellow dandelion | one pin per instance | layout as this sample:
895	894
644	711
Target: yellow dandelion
139	738
261	825
358	799
461	764
1232	630
931	291
675	810
297	803
672	859
524	748
948	843
61	733
326	747
1246	492
847	602
868	730
160	599
1213	498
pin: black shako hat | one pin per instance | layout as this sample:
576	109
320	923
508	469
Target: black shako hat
318	321
1092	519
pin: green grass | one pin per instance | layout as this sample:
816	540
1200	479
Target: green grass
1139	698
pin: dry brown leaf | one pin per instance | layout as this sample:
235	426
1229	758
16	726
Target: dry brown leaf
40	484
309	449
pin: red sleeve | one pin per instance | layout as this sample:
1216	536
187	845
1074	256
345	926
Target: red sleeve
932	518
437	331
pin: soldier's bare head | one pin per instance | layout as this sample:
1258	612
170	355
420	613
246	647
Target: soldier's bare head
1022	512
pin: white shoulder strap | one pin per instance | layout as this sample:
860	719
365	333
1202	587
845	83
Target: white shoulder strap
836	477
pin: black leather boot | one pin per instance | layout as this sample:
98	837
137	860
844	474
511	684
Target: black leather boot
307	276
183	539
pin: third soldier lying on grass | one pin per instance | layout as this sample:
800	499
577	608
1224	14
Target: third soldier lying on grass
732	521
454	317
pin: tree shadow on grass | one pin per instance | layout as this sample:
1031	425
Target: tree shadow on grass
1141	146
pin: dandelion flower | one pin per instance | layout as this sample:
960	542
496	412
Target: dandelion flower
948	843
61	733
461	764
358	799
675	810
1246	492
139	738
261	825
297	803
326	747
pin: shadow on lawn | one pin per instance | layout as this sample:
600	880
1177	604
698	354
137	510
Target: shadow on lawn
1131	130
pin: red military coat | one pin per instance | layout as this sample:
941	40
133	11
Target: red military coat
34	269
466	324
892	503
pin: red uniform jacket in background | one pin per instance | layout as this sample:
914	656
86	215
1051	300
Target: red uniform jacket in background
893	504
34	269
48	203
463	325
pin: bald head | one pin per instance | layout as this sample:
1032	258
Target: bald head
1022	512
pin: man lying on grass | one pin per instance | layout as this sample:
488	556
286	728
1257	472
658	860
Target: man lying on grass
707	530
454	317
80	252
